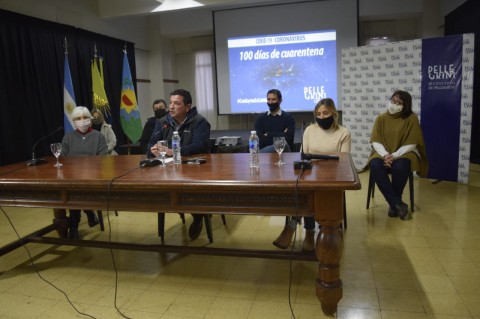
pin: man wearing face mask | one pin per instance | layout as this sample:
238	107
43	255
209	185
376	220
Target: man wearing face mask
398	149
274	123
323	136
98	123
160	110
83	141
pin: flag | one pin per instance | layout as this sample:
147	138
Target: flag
129	114
100	100
68	97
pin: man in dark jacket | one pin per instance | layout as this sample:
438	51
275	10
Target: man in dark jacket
194	131
160	110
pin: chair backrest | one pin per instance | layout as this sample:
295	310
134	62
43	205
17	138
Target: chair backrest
239	148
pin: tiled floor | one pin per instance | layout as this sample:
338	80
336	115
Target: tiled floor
428	267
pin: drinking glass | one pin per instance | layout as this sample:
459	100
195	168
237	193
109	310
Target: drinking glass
279	144
56	149
162	147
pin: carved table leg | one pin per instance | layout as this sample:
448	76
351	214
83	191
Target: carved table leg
329	248
61	221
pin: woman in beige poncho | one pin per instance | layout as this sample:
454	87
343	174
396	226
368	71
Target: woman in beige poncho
398	149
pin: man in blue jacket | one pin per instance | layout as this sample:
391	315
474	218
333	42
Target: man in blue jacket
194	131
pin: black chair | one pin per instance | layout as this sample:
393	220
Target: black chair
207	219
100	219
371	190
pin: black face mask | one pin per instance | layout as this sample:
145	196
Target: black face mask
160	113
325	123
273	106
97	127
97	121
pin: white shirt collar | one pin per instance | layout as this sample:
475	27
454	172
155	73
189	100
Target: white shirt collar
279	113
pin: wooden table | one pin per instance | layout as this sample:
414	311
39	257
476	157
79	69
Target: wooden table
225	184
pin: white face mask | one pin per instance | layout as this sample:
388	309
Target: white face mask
394	108
82	125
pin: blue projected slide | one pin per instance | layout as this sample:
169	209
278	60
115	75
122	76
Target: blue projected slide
301	65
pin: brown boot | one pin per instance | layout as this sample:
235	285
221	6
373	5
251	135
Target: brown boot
309	241
285	237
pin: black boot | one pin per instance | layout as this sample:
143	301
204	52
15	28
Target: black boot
196	227
92	218
74	222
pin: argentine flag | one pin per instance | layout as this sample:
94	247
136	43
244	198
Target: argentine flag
68	98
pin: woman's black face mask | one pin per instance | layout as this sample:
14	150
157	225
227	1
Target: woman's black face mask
325	123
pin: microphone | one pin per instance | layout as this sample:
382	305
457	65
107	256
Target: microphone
37	161
319	156
149	162
303	163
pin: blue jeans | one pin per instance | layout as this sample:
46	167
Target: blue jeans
392	189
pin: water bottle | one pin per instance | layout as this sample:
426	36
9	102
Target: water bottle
177	157
253	148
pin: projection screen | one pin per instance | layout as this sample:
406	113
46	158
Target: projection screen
291	47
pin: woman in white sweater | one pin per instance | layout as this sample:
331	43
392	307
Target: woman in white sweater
98	123
323	136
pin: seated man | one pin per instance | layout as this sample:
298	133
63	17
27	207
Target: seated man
274	123
160	110
194	131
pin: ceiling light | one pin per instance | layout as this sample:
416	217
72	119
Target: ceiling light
168	5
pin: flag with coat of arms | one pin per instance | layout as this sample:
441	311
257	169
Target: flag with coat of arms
129	113
100	100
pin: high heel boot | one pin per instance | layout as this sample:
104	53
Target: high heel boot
285	237
309	241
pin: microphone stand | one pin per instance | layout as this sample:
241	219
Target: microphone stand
302	163
37	161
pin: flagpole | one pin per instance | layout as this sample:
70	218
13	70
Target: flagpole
65	46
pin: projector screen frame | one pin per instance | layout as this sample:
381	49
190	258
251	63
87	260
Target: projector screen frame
338	15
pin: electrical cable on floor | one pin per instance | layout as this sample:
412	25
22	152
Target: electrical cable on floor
110	240
38	272
111	252
294	238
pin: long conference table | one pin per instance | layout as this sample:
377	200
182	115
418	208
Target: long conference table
224	184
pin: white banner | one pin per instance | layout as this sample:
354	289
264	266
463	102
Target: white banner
371	74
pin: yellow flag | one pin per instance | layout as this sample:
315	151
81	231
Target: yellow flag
100	100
